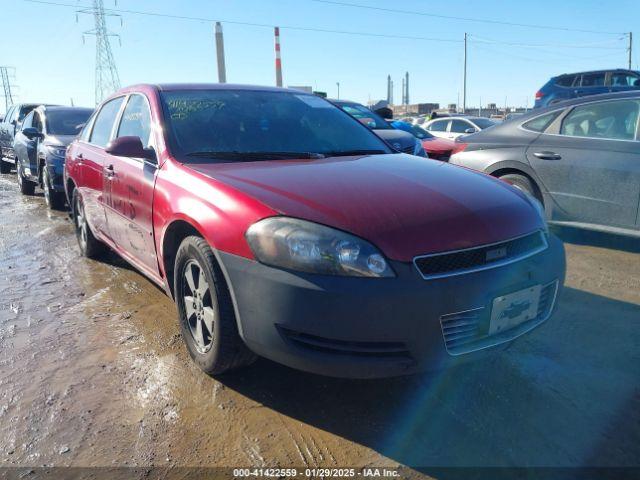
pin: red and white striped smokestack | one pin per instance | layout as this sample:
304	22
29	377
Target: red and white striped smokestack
278	60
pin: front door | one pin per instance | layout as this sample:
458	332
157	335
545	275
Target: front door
591	164
132	182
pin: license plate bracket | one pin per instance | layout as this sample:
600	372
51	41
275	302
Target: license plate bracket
510	310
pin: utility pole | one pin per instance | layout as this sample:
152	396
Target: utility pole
222	69
403	91
389	99
630	47
338	85
6	84
406	93
464	77
278	59
106	76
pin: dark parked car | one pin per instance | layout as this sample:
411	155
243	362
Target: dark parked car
40	147
399	140
580	158
8	127
573	85
283	227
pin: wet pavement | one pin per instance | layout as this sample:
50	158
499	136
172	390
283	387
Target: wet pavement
93	372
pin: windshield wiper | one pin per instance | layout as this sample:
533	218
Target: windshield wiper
254	155
347	153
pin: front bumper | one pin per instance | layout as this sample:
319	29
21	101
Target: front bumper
370	328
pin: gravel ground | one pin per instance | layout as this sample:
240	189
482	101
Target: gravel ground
93	373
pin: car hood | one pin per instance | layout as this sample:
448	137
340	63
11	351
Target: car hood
405	205
437	144
398	139
58	140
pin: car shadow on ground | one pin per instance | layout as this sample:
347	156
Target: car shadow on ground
592	238
561	396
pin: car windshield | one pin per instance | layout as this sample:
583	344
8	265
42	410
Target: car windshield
365	116
483	123
237	125
66	122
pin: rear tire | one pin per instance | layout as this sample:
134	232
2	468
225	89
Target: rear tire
523	183
207	319
54	200
90	247
5	167
27	187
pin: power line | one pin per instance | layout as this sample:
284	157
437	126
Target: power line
556	45
466	19
253	24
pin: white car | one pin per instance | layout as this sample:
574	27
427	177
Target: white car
453	127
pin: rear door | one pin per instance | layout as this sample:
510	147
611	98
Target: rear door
4	131
439	128
90	156
592	84
131	182
589	161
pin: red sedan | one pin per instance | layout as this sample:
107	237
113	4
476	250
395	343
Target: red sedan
437	148
283	227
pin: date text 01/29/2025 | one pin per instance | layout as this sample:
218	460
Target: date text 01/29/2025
316	472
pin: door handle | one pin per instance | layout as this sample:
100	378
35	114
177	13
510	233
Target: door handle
109	173
547	155
79	158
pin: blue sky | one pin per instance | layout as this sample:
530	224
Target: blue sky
53	65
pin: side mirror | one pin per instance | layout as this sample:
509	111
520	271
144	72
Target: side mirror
470	130
31	133
14	122
130	147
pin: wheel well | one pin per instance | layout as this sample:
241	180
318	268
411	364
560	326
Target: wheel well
506	171
173	237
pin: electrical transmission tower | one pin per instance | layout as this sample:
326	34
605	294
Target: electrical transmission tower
107	79
7	86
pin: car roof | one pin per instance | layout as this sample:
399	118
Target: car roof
164	87
582	100
597	71
56	108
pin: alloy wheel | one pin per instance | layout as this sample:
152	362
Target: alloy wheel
198	305
81	223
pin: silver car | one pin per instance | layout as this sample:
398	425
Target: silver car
580	159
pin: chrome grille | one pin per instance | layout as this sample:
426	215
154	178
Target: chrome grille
467	331
474	259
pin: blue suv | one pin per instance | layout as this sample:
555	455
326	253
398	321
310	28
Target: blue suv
573	85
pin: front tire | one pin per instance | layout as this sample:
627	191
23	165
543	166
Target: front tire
54	200
206	314
90	247
27	187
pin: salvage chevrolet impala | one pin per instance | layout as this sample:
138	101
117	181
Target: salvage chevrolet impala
282	227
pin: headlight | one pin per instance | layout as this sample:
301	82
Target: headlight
419	149
56	151
309	247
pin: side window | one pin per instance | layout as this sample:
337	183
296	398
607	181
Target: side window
28	121
541	123
103	124
136	120
86	130
593	79
566	81
620	79
439	126
615	120
23	112
460	126
14	114
37	122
